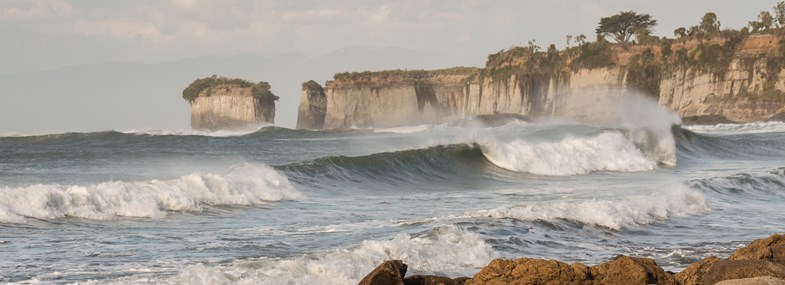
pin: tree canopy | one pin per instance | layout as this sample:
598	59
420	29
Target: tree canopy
621	27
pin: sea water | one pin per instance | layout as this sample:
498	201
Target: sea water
282	206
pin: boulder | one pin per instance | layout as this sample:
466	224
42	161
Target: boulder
713	270
771	249
737	269
530	271
390	272
693	274
754	281
433	280
631	270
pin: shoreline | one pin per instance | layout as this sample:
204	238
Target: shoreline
761	262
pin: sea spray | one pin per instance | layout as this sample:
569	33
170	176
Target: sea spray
607	151
242	185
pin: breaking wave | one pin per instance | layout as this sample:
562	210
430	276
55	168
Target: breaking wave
614	214
242	185
607	151
749	128
444	249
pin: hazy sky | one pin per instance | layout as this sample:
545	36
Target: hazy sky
45	34
39	35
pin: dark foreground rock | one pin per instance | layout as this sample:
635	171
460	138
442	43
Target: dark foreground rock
390	272
762	262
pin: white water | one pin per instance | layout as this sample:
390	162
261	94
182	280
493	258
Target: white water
446	249
608	151
346	227
405	129
749	128
242	185
615	213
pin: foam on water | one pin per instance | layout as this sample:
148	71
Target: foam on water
614	213
749	128
405	129
444	249
189	132
242	185
608	151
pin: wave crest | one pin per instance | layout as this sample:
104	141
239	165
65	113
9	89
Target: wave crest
242	185
614	214
442	250
608	151
763	184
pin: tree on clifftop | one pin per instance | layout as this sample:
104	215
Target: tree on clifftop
621	27
709	24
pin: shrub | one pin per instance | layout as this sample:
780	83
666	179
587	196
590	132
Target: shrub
259	90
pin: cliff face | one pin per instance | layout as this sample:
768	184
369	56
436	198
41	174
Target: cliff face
230	107
313	106
741	81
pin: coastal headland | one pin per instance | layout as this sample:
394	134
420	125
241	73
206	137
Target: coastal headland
705	76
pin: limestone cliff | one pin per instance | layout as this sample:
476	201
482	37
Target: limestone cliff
313	106
737	78
219	103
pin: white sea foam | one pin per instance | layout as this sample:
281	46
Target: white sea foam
750	128
615	214
405	129
444	250
608	151
242	185
184	132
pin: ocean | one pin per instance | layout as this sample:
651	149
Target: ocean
283	206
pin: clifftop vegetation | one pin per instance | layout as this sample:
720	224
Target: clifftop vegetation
403	73
705	46
259	90
457	75
625	40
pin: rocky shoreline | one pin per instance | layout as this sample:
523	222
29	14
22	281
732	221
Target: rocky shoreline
762	262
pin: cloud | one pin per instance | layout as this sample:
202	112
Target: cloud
35	10
122	29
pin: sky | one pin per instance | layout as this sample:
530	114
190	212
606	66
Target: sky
39	36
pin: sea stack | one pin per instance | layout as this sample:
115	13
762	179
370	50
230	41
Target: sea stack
313	106
220	103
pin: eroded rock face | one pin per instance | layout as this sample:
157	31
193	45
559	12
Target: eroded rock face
390	272
313	106
736	269
230	107
530	271
762	257
754	281
631	270
693	274
747	86
771	249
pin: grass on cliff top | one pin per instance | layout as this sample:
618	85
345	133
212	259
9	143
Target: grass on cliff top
403	73
259	90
